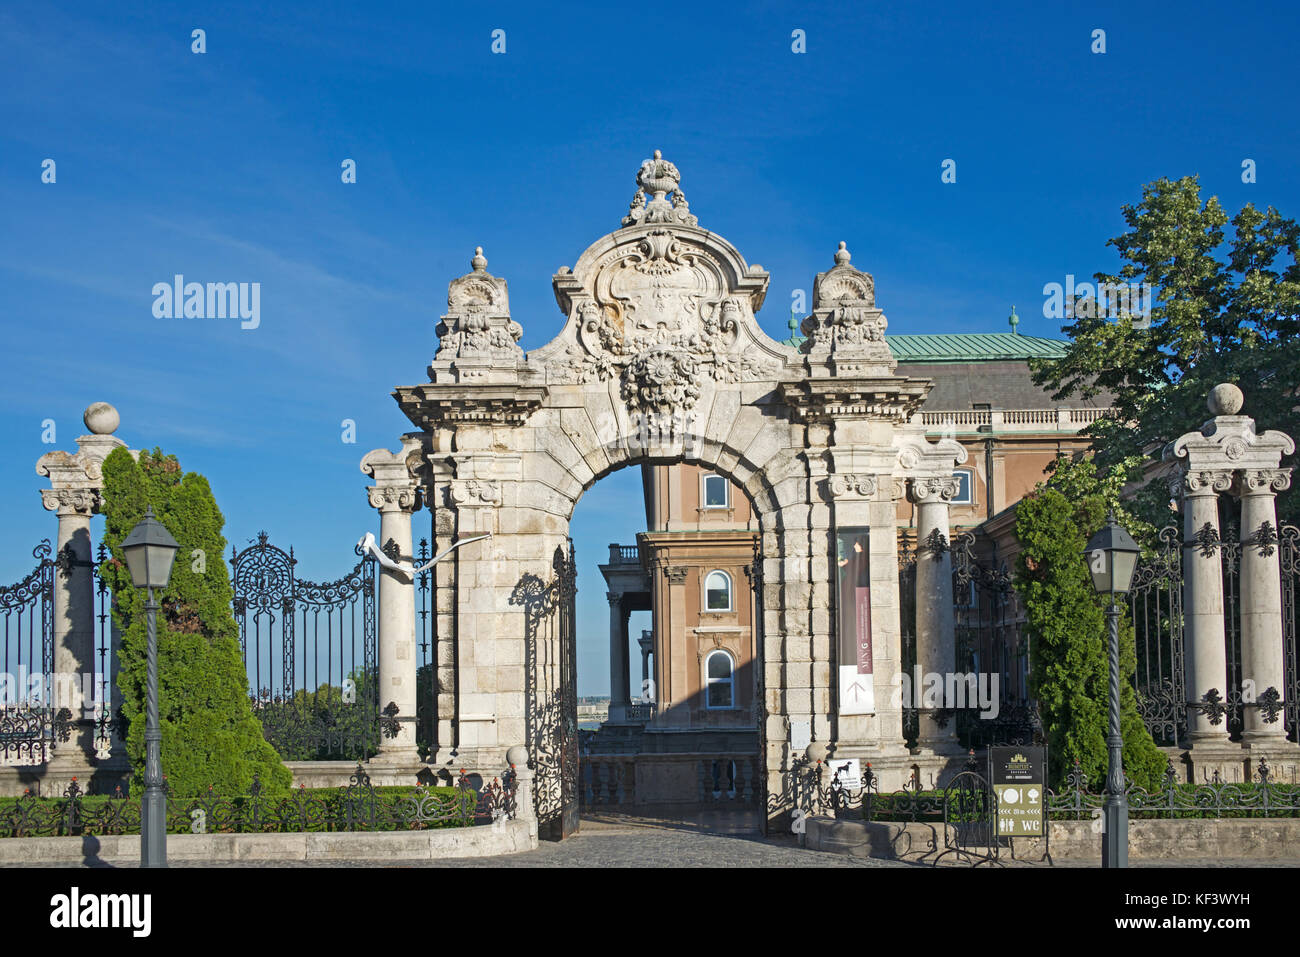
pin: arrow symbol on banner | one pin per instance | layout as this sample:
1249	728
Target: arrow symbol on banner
857	689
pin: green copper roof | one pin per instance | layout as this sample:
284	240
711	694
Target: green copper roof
973	347
960	347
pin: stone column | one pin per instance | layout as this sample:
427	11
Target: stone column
646	641
1261	600
936	642
618	697
1204	649
76	482
396	495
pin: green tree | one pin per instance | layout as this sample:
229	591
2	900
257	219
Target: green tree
210	736
1069	662
1225	308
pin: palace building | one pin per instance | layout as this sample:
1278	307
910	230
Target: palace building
701	532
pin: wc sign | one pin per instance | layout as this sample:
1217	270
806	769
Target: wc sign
1018	777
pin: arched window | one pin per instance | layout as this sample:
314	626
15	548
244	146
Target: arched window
717	591
720	690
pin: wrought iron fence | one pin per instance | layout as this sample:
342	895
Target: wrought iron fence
989	642
1156	606
311	653
357	807
1264	795
29	724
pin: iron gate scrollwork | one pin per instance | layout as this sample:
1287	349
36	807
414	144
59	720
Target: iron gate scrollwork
987	619
310	650
29	723
1156	603
550	691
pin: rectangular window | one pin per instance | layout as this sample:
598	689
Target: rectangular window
715	491
965	487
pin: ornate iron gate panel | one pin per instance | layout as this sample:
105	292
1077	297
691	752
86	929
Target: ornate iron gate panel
907	626
760	682
311	654
1156	604
986	615
550	692
28	721
567	578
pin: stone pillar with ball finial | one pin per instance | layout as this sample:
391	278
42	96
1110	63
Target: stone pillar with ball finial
1227	455
76	484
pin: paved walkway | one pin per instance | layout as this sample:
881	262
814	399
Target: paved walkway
701	839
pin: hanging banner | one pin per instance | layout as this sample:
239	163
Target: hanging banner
856	684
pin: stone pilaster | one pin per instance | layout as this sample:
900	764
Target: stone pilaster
396	495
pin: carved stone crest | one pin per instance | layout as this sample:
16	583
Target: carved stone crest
478	324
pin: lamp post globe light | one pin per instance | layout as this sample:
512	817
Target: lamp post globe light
150	550
1112	558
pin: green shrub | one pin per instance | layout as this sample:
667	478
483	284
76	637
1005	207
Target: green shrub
210	735
1067	627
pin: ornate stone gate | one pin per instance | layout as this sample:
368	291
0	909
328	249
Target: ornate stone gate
661	359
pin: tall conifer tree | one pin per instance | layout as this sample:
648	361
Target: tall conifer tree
210	736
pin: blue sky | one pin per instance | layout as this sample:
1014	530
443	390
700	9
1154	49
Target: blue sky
225	166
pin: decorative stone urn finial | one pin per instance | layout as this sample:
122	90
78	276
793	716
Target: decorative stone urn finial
479	262
1225	399
101	418
842	254
659	198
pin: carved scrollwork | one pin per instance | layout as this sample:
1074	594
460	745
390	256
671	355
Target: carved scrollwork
938	488
857	484
393	497
76	501
1265	480
476	492
1207	481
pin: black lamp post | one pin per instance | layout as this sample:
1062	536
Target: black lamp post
150	549
1112	558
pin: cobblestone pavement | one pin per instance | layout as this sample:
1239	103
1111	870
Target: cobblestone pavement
706	841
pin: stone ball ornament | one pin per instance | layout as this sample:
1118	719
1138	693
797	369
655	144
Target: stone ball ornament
817	751
1225	399
517	756
101	418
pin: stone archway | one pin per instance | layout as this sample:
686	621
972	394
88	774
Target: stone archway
661	359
